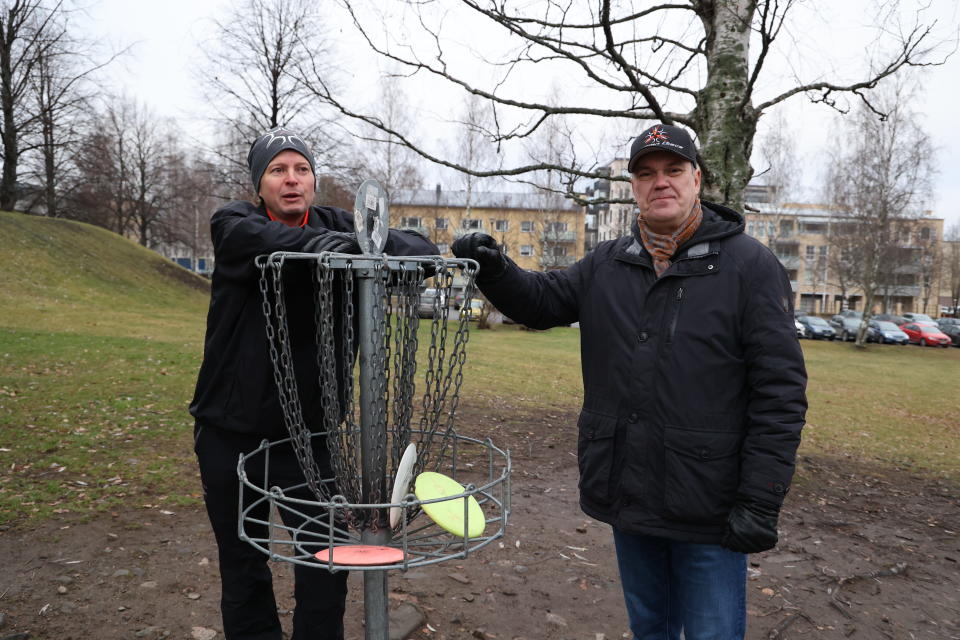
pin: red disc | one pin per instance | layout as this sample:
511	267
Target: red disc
361	555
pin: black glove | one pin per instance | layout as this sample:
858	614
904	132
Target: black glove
482	248
751	527
333	241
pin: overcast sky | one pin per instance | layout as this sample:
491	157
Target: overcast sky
167	37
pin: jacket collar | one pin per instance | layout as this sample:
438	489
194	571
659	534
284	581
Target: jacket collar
718	222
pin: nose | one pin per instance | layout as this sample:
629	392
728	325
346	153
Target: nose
660	180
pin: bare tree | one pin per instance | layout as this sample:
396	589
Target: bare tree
249	80
473	147
951	265
688	63
27	30
381	154
128	172
62	93
881	176
929	262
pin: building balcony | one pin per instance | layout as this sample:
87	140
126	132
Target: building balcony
554	262
789	262
903	291
421	230
459	232
558	236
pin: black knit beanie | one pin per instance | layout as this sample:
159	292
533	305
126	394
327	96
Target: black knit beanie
269	145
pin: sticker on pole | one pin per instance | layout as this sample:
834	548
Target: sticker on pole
449	514
371	217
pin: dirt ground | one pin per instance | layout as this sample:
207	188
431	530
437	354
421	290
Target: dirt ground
865	552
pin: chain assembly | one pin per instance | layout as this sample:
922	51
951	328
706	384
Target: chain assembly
330	399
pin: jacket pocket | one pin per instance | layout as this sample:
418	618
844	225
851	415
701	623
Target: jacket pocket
702	472
595	454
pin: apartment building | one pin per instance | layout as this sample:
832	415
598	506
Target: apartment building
803	237
539	231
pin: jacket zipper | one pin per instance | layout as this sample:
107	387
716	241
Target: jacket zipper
676	315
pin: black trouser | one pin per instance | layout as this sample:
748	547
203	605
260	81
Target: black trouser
247	602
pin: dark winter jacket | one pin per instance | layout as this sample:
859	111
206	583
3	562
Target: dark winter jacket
694	383
235	388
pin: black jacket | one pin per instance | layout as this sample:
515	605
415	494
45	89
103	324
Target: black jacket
235	387
694	383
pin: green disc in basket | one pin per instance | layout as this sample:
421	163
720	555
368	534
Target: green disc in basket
449	514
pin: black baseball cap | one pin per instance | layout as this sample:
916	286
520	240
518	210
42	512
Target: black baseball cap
662	137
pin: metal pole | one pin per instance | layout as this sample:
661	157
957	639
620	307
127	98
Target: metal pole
372	440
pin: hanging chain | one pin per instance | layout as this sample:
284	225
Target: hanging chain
284	374
394	344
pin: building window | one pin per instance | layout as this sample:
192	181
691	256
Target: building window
409	222
526	249
811	252
442	223
925	233
472	223
526	226
749	228
823	251
501	225
558	251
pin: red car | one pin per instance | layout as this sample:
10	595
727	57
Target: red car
925	333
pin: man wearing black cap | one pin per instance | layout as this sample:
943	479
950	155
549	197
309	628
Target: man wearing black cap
694	390
236	403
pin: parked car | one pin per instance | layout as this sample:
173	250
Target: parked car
918	317
951	327
848	325
891	317
801	330
926	333
885	332
817	328
475	309
431	299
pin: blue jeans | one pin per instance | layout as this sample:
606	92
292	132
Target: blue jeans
672	586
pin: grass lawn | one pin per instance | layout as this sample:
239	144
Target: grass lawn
97	366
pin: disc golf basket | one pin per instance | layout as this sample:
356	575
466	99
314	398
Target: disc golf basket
387	380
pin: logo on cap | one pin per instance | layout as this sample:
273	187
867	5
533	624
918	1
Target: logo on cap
285	137
656	136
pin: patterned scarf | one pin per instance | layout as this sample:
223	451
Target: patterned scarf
662	247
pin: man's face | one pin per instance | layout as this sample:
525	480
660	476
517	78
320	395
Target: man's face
287	186
665	187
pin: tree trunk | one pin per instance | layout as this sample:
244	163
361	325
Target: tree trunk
726	120
11	147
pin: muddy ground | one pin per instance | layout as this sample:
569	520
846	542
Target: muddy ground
866	552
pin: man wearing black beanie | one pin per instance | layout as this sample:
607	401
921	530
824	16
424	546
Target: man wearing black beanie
236	404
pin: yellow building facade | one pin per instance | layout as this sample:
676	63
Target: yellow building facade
540	232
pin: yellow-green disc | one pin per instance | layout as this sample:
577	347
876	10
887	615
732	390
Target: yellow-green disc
449	514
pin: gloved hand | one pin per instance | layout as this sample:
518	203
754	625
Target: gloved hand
484	249
334	241
751	527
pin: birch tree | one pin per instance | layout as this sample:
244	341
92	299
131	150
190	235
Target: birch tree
699	63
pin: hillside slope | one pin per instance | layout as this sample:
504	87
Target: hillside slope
69	276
